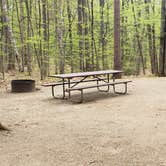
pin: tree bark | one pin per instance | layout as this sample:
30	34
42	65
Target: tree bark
102	34
162	60
117	54
92	35
60	34
86	35
29	60
20	16
150	34
156	69
80	33
44	65
69	14
141	58
9	32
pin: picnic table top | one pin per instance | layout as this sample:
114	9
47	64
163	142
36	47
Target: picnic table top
84	74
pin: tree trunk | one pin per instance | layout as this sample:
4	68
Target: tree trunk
102	34
156	69
86	35
80	33
44	65
29	60
20	16
1	50
60	34
151	41
9	32
92	35
22	31
141	58
162	60
117	55
69	14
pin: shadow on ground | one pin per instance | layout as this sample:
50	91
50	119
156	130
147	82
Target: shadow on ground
88	98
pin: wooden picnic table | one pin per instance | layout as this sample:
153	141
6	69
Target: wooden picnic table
102	75
85	74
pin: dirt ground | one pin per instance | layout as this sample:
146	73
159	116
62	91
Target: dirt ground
106	130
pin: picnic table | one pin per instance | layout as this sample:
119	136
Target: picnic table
69	84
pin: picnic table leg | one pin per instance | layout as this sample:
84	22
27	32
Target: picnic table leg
108	80
63	80
53	94
81	96
113	77
69	87
116	92
53	91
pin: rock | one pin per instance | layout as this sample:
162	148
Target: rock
3	127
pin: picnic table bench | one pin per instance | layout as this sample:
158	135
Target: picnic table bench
98	76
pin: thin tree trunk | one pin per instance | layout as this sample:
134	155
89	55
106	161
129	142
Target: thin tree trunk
86	34
29	60
2	54
69	14
138	41
80	33
154	50
156	69
123	31
44	65
102	33
19	17
92	35
151	41
22	30
60	34
55	36
117	55
162	60
10	36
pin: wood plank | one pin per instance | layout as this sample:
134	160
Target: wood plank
84	74
100	85
72	82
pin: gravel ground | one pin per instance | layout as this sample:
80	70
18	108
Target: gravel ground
105	130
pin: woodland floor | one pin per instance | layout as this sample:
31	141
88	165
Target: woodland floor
106	130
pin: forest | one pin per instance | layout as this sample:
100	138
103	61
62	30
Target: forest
56	36
82	82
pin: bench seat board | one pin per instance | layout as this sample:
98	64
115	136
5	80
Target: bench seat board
99	85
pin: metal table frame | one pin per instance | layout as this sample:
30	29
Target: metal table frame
84	75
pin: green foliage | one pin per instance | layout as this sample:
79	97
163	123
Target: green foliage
58	18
